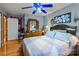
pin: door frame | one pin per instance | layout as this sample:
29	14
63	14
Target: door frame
5	38
6	27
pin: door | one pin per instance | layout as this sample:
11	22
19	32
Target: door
12	28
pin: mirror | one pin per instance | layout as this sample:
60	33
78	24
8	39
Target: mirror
32	25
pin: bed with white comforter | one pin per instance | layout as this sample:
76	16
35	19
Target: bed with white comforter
52	44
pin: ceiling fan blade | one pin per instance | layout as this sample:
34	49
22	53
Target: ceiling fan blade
47	5
27	7
43	11
34	11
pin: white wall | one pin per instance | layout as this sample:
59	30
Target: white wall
0	30
12	28
2	34
39	18
3	12
73	8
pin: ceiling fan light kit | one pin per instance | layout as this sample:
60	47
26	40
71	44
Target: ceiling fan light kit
39	7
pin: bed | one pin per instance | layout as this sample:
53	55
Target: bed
53	43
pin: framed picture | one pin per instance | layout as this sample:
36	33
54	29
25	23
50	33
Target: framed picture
64	18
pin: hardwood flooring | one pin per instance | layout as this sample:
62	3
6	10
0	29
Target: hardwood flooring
12	48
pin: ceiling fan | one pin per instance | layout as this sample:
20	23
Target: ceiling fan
39	7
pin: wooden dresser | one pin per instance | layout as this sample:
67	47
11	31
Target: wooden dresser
32	34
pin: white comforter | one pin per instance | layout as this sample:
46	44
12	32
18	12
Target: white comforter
46	46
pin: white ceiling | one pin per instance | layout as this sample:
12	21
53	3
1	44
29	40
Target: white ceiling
15	8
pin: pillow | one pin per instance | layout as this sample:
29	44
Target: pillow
63	37
60	30
50	34
70	29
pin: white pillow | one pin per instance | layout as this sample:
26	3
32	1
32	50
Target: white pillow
62	36
50	34
60	31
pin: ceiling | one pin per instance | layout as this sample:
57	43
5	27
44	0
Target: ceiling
15	8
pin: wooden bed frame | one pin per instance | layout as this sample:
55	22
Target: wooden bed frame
74	52
64	27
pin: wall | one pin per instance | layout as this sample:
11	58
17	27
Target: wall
73	8
39	18
0	30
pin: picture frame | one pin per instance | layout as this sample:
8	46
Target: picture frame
64	18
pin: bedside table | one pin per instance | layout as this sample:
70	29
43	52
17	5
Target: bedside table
21	36
77	48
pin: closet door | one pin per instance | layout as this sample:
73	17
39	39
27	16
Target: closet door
12	28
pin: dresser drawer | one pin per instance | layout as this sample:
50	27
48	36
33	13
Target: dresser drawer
32	34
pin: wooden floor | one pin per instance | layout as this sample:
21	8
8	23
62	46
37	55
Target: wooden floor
12	48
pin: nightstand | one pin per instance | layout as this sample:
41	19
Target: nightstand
77	48
21	36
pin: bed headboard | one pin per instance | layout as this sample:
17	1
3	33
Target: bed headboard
69	29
